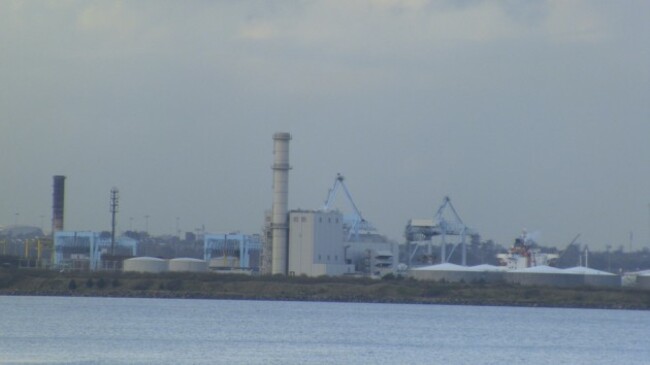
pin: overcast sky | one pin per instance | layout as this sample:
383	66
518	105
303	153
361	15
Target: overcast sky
528	114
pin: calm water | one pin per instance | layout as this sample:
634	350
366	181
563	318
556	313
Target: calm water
45	330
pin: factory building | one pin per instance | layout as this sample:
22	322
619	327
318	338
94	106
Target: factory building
316	245
372	255
318	242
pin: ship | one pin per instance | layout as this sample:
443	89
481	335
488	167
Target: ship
524	254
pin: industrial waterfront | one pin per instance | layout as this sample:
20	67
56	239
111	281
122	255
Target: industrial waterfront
314	182
325	241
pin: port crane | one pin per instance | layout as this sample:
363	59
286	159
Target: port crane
446	222
353	223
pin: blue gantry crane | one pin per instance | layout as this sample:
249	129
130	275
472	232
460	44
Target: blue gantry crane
446	222
352	223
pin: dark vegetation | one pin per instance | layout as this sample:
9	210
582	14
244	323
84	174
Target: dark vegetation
392	289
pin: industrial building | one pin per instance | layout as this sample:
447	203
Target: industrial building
544	276
319	242
316	244
452	273
536	275
594	277
84	250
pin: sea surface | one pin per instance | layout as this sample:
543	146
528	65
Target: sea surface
58	330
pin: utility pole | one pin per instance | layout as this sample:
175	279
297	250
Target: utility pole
114	205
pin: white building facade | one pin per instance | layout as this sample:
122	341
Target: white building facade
316	244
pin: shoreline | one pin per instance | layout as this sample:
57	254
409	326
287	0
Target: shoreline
201	296
23	282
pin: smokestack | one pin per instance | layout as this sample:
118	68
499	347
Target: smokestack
279	214
58	197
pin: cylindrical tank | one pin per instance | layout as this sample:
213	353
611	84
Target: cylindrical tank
58	199
188	264
145	264
279	226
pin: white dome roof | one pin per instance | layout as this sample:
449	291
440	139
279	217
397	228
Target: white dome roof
185	259
145	258
585	271
443	267
542	269
486	267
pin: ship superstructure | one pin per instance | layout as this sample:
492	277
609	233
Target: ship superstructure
523	254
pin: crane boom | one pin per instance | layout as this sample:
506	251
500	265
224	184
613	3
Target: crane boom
356	222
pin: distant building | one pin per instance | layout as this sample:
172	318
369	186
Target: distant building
19	231
316	245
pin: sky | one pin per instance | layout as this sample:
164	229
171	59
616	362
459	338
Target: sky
527	114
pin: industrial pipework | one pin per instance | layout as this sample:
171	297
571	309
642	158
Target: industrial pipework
279	217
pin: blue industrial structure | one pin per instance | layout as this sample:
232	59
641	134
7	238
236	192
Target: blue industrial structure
446	222
87	247
353	223
235	249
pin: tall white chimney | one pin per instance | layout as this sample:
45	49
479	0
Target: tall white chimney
279	214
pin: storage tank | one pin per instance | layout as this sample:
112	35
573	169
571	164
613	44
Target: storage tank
145	264
188	264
